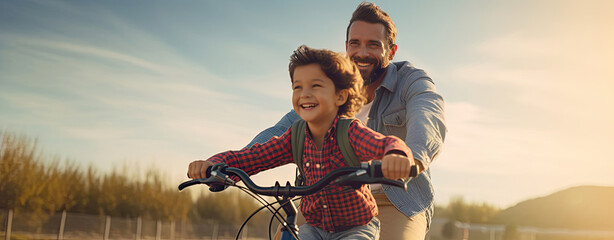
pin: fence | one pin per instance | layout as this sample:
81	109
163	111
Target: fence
465	231
65	226
68	226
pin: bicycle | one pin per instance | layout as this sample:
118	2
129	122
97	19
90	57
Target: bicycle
219	179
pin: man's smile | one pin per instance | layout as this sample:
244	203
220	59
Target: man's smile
361	64
364	63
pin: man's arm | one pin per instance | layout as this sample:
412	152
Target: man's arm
277	130
426	128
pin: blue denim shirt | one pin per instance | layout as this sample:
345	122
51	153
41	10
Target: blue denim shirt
406	105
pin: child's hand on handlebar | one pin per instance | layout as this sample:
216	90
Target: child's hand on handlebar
397	166
198	169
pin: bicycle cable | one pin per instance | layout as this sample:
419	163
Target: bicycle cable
276	211
268	206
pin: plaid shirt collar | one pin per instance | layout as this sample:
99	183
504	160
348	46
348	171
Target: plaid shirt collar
330	133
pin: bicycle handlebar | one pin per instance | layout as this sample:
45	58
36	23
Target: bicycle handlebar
367	173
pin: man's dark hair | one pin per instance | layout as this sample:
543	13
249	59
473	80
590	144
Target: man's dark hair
371	13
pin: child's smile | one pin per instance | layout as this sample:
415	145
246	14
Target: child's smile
309	105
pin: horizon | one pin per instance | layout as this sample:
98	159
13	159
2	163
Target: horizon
527	84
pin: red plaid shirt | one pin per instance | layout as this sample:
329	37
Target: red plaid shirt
335	208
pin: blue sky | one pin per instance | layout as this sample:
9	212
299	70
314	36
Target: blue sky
527	84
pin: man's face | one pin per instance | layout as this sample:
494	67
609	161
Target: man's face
367	47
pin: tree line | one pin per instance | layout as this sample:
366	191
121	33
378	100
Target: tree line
469	212
33	182
43	185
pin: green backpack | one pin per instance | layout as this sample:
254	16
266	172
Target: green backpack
297	139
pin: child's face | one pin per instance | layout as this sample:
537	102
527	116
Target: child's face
314	96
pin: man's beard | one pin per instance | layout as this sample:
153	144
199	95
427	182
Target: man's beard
378	70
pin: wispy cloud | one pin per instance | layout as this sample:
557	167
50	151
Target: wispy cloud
138	109
93	52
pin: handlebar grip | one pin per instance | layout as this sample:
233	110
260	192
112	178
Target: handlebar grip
208	172
413	172
375	169
188	183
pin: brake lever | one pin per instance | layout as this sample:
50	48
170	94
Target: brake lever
217	180
396	183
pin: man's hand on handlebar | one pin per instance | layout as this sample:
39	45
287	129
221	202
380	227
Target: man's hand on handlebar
198	169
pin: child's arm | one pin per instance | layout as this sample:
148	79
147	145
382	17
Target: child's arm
396	157
276	152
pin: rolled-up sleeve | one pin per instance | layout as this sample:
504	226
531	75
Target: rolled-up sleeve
426	128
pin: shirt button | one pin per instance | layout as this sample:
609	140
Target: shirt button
306	164
317	165
324	206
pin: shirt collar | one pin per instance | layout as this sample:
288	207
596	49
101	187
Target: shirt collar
332	129
390	79
329	133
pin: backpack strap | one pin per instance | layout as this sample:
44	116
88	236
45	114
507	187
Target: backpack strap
343	140
297	140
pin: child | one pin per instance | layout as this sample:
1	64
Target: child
326	85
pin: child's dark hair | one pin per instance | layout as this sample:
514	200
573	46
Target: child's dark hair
339	69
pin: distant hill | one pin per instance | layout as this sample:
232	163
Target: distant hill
583	207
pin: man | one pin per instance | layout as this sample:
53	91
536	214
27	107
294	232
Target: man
401	101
